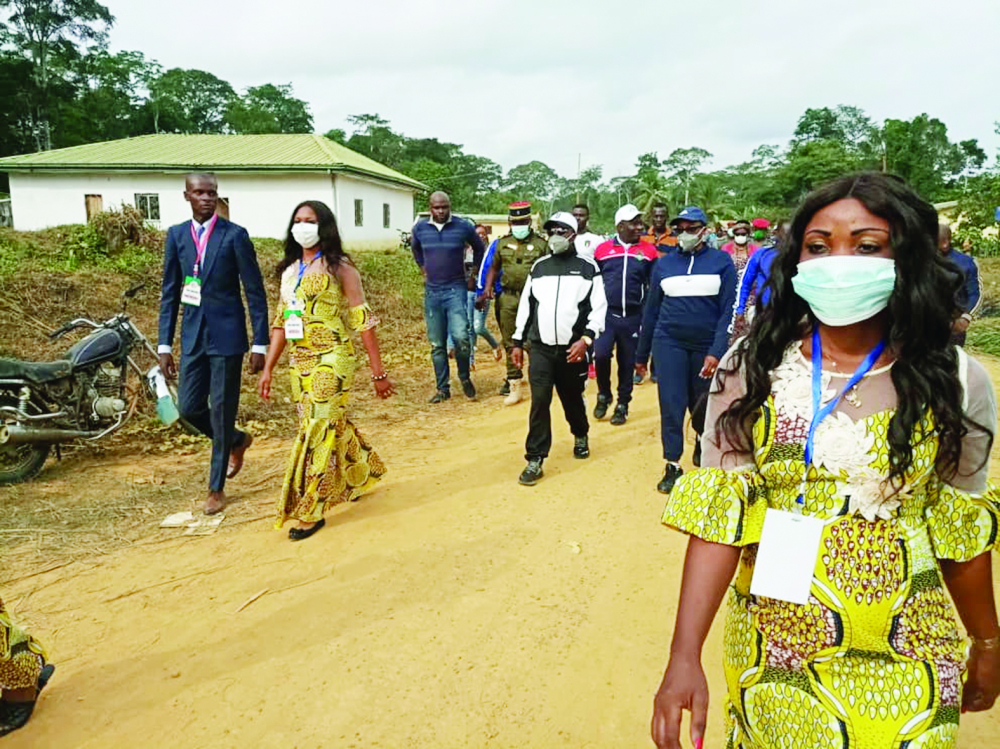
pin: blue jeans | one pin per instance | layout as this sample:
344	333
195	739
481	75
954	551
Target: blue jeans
446	315
477	327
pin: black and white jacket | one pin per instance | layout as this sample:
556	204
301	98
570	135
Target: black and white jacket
562	301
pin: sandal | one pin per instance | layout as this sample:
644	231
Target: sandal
14	715
301	534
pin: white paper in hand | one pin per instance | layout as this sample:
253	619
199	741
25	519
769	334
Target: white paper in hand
786	558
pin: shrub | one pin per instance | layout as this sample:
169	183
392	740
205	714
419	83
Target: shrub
123	226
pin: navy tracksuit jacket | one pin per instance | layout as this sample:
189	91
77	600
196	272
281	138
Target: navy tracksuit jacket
687	316
626	271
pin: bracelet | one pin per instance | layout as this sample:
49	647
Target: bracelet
376	378
988	643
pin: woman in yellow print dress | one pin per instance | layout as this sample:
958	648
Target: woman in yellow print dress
23	673
322	301
847	416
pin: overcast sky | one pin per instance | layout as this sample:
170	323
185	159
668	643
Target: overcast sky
607	80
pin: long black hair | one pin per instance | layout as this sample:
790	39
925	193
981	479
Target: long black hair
330	246
921	310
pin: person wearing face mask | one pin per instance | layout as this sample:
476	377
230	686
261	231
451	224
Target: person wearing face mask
560	313
741	248
625	265
512	260
844	497
322	303
685	326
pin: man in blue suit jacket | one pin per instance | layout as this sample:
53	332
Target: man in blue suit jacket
204	261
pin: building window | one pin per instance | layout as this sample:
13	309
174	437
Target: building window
148	205
359	213
386	220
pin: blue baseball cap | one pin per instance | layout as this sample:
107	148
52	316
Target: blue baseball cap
691	213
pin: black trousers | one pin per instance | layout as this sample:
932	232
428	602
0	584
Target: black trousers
621	335
208	398
549	369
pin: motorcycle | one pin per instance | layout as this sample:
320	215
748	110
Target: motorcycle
86	395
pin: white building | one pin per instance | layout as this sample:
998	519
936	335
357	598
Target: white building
261	179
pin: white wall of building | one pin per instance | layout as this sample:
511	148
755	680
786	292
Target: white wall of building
260	202
374	196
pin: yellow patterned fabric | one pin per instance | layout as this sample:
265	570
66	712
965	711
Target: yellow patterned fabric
21	656
874	660
331	461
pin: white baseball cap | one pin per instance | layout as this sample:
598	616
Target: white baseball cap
562	217
626	213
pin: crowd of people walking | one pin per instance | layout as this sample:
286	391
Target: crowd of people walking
840	492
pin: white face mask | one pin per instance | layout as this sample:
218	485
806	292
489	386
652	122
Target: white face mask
558	244
521	231
689	241
306	234
741	239
845	289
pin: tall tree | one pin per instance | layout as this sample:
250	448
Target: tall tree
920	152
532	181
17	93
269	109
189	101
111	92
682	164
48	27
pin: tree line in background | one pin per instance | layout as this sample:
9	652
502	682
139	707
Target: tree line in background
62	87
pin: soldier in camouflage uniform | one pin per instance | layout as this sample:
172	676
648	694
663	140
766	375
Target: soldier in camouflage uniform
512	260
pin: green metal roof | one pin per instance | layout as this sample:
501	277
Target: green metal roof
277	153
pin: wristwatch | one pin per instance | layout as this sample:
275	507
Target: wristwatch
587	339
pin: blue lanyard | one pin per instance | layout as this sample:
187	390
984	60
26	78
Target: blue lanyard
820	413
302	271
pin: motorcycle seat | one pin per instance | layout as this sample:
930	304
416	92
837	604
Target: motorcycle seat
37	372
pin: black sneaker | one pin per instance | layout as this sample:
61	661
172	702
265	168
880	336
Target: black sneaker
620	416
440	396
468	388
670	477
531	473
601	409
505	388
697	452
581	448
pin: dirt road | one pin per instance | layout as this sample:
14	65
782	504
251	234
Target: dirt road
451	608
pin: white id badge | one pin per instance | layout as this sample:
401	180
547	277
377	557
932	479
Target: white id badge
191	294
786	558
294	330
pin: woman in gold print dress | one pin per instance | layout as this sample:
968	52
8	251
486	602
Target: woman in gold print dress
873	484
322	303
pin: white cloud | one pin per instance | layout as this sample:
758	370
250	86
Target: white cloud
523	80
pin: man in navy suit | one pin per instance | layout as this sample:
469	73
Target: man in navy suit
204	261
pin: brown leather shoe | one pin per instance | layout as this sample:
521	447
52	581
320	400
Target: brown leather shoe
216	502
236	456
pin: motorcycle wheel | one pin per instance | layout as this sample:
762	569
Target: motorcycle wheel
20	463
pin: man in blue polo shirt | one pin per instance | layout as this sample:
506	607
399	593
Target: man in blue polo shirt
438	245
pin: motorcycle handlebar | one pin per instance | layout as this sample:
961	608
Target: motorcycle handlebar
72	325
135	289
